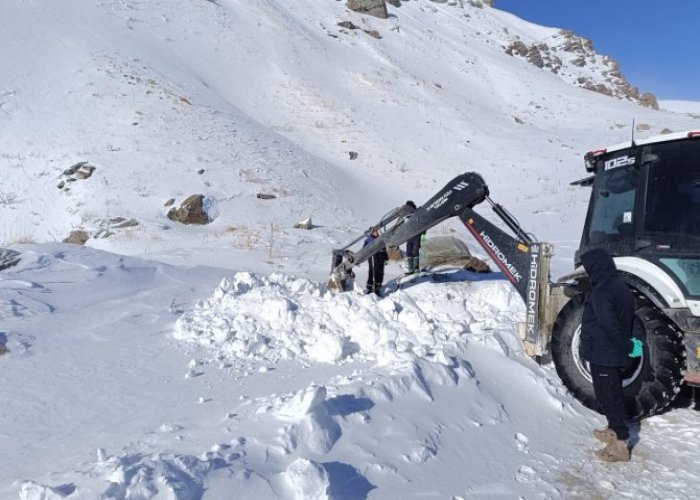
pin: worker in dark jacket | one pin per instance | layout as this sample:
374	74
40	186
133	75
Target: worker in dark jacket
375	277
608	345
413	243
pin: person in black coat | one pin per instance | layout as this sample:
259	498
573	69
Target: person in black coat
608	345
375	276
413	243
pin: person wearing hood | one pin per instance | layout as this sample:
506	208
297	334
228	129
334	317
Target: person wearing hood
609	347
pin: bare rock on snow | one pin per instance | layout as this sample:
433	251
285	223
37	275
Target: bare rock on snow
265	196
81	170
8	258
352	26
376	8
304	224
190	211
649	100
565	53
77	237
348	25
120	222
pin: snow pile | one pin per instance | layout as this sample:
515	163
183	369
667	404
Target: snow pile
438	402
279	317
136	476
308	480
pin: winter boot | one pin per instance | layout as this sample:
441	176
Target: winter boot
416	264
411	261
606	435
617	450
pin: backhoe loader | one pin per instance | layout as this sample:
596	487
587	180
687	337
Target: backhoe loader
644	209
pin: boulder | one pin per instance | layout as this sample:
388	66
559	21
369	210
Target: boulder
304	224
84	172
190	211
8	258
77	237
376	8
81	170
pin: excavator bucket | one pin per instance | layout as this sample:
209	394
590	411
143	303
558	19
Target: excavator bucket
340	280
336	283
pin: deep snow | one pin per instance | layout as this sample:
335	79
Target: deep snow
171	361
282	389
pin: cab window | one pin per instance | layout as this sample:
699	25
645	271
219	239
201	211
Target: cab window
613	205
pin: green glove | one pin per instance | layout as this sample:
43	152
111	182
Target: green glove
637	349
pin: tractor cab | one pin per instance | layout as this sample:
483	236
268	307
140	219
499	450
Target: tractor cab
645	210
645	203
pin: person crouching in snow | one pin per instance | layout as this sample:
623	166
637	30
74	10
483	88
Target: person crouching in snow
375	276
608	345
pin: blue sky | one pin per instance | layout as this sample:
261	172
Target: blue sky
655	41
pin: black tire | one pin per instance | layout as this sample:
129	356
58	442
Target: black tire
650	385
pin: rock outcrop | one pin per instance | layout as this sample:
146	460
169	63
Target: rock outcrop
573	58
190	211
376	8
80	171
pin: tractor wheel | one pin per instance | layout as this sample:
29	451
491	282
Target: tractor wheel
649	385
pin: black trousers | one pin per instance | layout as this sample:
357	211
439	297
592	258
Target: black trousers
375	277
413	246
607	385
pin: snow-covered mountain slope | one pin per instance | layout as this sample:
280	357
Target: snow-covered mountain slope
233	98
171	361
689	107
